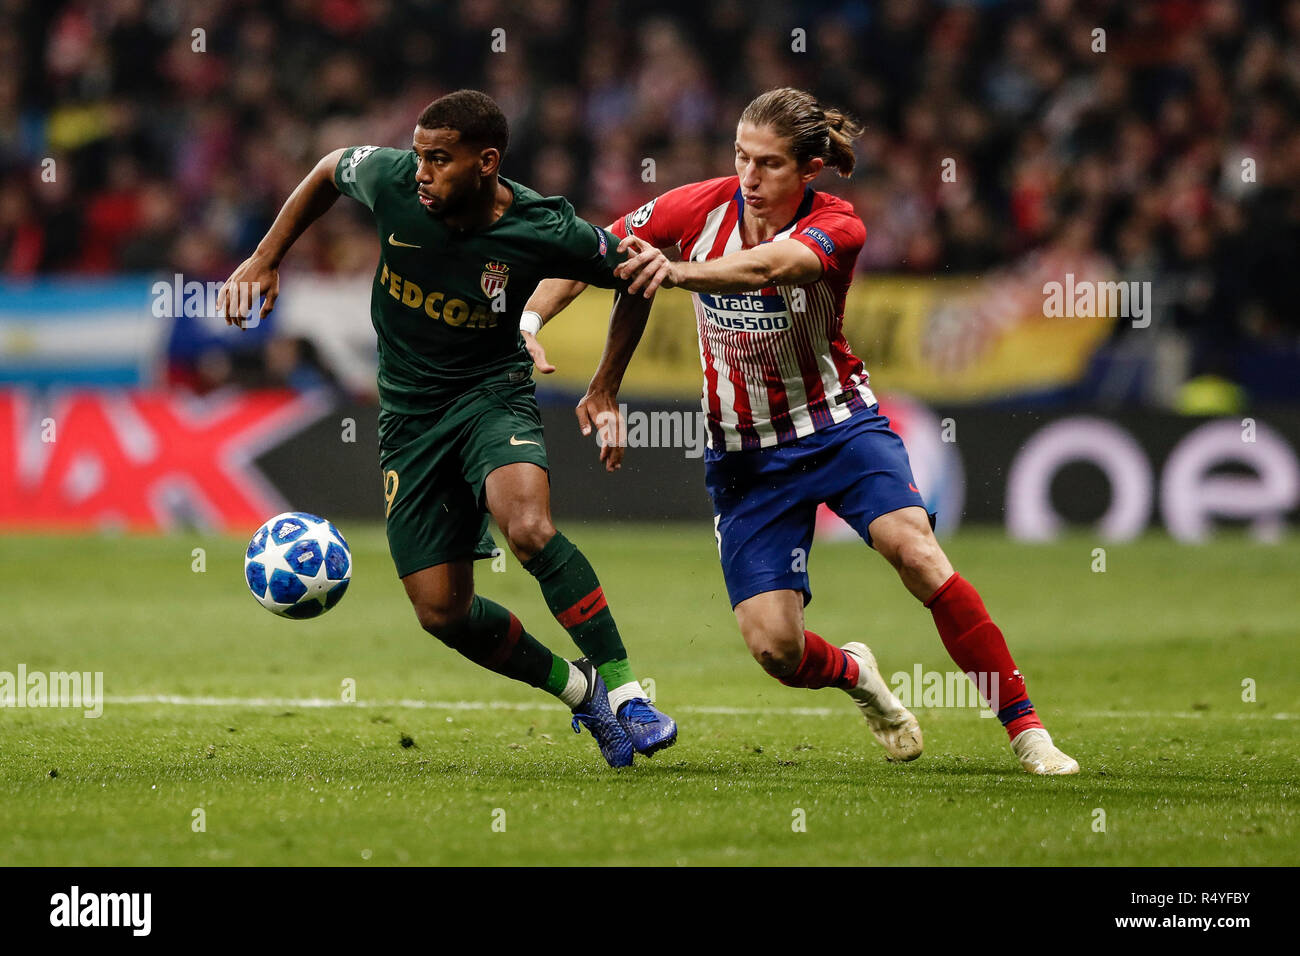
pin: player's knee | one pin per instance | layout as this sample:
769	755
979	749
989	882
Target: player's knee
443	617
917	554
528	534
777	651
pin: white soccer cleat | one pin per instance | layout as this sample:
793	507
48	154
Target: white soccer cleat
891	722
1039	755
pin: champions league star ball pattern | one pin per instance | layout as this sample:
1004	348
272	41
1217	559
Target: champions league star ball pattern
298	565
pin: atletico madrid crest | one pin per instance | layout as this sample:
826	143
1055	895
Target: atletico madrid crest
494	278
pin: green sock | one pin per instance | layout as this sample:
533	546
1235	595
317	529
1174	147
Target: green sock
575	597
558	679
492	637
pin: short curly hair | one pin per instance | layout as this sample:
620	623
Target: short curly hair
474	114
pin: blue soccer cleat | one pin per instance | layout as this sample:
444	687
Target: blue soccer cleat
649	730
594	714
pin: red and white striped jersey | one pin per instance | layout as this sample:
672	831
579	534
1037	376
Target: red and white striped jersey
776	365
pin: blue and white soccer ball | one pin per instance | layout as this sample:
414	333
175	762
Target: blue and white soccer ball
298	565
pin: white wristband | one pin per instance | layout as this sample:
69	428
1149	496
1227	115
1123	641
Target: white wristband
530	322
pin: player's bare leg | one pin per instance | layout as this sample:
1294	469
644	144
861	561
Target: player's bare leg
974	642
486	633
772	625
446	606
519	497
441	595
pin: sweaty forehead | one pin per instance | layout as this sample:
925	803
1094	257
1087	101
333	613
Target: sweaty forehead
440	138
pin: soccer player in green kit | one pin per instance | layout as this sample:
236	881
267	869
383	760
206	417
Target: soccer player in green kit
460	434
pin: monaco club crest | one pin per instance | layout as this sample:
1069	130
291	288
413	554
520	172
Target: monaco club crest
494	278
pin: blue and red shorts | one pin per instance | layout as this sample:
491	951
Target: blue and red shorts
765	500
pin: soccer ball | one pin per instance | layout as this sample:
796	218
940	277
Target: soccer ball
298	565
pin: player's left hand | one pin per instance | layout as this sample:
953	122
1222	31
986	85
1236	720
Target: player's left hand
255	276
647	267
599	409
537	352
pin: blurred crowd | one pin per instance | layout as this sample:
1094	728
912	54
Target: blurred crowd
1162	135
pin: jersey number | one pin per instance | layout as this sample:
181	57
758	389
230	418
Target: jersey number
390	491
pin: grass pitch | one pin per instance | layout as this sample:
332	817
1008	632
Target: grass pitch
225	738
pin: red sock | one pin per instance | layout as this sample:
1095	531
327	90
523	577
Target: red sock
978	647
823	665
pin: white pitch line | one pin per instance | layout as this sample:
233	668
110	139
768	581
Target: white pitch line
306	703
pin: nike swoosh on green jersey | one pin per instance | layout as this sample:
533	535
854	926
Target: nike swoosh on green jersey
394	242
516	441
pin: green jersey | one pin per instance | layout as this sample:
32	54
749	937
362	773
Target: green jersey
446	303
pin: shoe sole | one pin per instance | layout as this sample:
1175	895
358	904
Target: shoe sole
662	745
1069	770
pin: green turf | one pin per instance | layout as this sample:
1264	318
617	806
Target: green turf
1186	772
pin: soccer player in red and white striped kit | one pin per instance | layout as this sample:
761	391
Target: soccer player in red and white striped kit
791	417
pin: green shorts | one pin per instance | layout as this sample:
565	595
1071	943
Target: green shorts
435	465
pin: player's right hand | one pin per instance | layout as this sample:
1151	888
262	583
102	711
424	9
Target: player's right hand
254	277
599	409
646	267
537	352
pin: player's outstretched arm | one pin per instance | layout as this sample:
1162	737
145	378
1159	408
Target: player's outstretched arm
549	299
774	263
261	271
599	407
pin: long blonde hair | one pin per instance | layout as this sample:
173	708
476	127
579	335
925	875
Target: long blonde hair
814	131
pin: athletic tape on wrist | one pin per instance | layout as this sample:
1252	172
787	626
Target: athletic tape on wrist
530	322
